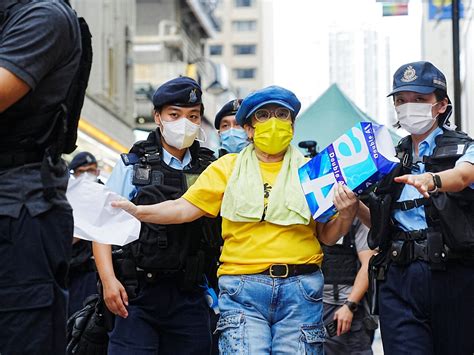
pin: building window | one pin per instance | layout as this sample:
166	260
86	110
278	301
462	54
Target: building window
241	26
245	49
215	49
244	73
243	3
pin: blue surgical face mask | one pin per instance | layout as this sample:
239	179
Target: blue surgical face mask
234	140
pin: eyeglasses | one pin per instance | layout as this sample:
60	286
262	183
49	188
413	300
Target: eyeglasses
281	113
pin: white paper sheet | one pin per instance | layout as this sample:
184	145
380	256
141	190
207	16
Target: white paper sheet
95	219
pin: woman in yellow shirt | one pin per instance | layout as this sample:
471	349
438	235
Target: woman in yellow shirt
270	280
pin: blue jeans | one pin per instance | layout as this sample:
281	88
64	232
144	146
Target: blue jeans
263	315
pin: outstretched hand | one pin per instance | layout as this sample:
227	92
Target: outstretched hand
421	182
126	205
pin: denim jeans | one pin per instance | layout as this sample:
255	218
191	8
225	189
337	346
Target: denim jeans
263	315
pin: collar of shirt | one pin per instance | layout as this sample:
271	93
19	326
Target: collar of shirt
174	162
427	145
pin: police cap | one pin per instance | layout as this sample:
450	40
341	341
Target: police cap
181	91
81	159
420	77
269	95
229	109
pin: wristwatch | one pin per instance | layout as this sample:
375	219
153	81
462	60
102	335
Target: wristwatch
436	183
351	305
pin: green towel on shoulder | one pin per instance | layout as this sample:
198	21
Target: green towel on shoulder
243	198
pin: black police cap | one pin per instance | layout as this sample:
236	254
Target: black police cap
182	91
81	159
229	109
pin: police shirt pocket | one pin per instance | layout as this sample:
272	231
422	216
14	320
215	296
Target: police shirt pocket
312	339
230	285
231	330
26	297
311	286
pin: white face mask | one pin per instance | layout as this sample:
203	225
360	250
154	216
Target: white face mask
415	118
180	133
88	177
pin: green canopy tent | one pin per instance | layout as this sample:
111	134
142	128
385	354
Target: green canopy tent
329	117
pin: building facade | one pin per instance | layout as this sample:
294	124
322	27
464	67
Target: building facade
170	41
358	61
244	43
106	125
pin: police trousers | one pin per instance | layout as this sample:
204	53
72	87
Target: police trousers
162	319
34	260
426	312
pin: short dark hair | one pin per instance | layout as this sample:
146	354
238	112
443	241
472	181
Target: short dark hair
443	117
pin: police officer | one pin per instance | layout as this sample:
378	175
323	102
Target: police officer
423	223
40	52
345	267
232	136
82	274
170	314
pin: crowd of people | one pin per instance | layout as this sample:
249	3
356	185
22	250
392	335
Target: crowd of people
229	258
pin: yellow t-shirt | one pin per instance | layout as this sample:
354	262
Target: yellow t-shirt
251	247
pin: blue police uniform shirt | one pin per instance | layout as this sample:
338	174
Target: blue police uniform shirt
120	181
415	219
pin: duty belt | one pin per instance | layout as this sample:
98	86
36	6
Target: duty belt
11	160
288	270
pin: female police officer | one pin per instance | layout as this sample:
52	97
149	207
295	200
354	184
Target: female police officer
270	283
424	228
169	315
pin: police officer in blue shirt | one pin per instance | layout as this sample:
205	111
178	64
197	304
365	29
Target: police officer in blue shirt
40	51
233	137
169	314
422	218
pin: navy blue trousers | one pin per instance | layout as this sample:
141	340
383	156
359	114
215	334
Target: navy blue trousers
34	260
163	320
425	312
81	285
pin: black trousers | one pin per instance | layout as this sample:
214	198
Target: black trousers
163	320
425	312
81	285
34	260
356	341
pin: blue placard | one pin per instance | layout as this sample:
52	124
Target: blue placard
442	9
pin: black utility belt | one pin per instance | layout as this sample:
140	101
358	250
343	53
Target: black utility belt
404	252
426	245
12	160
288	270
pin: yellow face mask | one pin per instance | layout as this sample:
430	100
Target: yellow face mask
273	136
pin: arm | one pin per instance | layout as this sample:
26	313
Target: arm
167	212
12	89
361	284
453	180
115	296
363	213
347	204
